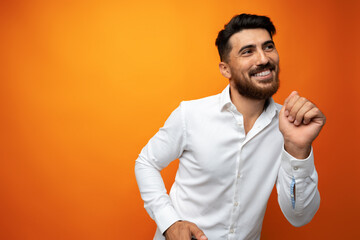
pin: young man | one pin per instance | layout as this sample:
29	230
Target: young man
233	147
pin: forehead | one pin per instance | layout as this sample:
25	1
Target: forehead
245	37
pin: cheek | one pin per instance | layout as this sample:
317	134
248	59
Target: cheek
245	68
242	69
275	58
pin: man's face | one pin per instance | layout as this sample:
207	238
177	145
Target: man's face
254	64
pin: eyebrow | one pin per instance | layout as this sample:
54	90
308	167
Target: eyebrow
252	45
269	41
246	46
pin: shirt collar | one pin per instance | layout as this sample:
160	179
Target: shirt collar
225	103
271	110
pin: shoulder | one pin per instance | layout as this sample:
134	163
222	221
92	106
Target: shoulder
202	105
197	108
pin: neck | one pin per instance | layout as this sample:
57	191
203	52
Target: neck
251	109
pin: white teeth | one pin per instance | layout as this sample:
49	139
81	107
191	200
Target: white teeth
261	74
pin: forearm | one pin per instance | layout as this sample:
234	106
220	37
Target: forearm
166	146
300	208
156	200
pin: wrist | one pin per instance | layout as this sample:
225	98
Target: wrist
297	151
164	233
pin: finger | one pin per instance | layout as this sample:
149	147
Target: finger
299	117
197	232
313	115
289	102
293	93
297	105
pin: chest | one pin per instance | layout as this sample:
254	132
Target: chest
222	149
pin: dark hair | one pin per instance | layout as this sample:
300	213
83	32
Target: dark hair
238	23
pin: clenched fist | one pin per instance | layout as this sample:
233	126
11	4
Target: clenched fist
300	122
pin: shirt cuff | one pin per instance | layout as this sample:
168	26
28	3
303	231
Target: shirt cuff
298	168
165	217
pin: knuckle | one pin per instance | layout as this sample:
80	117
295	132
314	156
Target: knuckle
317	111
299	120
303	99
309	104
307	117
293	97
293	114
192	224
299	117
198	234
294	100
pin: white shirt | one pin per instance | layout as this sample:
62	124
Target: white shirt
225	176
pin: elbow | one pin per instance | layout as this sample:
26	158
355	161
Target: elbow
140	166
299	221
303	217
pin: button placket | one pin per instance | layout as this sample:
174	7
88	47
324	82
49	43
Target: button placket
235	203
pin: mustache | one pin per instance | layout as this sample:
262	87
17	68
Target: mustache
261	68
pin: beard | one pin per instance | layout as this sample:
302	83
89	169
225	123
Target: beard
248	89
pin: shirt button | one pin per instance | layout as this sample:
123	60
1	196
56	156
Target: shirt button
236	204
238	176
231	230
295	168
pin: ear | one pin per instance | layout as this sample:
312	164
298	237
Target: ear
225	69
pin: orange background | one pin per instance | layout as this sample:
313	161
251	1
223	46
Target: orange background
85	84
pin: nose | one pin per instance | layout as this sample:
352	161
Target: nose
262	59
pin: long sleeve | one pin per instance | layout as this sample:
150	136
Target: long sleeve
298	195
166	146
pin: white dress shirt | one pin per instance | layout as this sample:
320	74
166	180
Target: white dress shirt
225	176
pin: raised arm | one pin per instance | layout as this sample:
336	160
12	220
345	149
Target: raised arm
300	122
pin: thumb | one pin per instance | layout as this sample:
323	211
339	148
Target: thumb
198	233
283	113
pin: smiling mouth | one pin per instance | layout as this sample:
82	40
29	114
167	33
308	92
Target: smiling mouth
265	76
262	74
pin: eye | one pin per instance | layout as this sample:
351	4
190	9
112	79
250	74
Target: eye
269	47
247	52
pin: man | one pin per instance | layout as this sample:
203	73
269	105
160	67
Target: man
233	147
